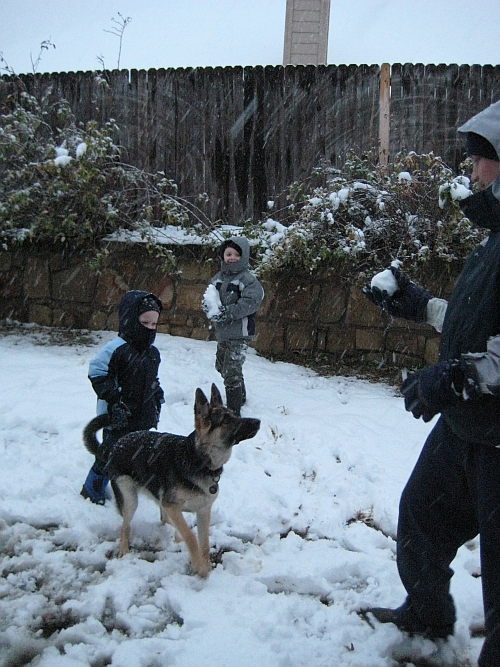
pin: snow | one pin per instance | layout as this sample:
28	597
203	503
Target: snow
458	188
211	302
385	281
81	149
62	160
302	531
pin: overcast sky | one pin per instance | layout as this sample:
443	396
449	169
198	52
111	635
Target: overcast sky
191	33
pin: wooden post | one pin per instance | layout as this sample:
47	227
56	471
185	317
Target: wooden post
384	114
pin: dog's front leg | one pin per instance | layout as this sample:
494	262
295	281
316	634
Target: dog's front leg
124	539
178	520
203	527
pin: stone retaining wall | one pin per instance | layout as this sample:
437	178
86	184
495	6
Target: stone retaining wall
311	315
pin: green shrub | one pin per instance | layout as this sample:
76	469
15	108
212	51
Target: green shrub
65	183
359	219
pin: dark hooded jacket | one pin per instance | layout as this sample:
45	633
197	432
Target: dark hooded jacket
471	328
240	293
126	368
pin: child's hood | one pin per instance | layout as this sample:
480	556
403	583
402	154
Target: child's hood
242	264
129	327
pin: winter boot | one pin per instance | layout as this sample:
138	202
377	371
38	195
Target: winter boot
405	619
234	399
94	488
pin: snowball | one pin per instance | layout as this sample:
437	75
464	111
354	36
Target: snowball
211	302
61	152
270	204
385	281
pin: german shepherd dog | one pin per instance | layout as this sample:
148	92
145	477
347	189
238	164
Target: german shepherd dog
181	473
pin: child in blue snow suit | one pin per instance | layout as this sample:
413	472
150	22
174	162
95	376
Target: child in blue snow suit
124	375
240	295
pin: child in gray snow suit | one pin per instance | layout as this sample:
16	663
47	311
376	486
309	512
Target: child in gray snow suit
124	375
238	295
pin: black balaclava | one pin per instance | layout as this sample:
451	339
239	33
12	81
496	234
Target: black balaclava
132	305
482	209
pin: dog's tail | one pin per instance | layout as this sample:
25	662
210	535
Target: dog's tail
89	438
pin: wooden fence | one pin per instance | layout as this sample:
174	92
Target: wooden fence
242	135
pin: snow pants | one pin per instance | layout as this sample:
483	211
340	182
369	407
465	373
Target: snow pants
453	495
229	360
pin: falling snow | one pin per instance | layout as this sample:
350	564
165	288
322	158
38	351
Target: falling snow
302	533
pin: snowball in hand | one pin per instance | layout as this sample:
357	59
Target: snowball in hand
385	281
211	302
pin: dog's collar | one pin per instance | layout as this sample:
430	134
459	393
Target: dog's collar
213	488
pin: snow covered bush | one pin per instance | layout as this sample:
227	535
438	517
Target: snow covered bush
64	182
356	220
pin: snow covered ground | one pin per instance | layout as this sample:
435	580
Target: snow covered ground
302	533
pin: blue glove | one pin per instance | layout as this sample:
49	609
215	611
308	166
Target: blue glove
119	414
428	391
409	302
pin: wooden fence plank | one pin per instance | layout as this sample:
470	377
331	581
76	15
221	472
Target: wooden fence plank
244	135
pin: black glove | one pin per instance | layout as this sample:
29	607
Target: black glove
119	414
409	302
159	397
221	316
436	387
159	400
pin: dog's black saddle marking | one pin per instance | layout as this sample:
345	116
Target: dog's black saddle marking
162	462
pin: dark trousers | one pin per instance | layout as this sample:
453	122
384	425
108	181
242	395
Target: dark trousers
453	494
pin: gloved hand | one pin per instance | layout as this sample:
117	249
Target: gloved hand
408	302
221	316
159	400
430	390
159	397
119	414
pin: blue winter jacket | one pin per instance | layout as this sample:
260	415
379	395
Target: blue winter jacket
126	368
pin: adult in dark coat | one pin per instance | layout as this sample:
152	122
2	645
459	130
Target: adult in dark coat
453	493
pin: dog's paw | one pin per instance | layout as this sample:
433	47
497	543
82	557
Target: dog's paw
123	550
202	569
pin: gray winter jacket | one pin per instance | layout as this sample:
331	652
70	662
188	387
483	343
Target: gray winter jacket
240	293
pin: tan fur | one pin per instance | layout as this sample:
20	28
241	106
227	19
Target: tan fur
217	429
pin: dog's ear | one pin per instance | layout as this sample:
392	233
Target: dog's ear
201	406
216	398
